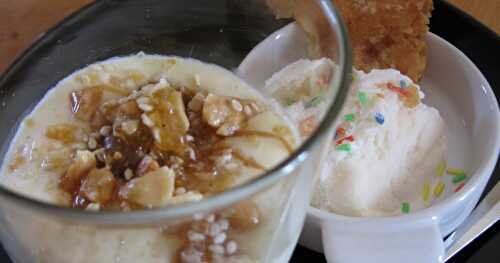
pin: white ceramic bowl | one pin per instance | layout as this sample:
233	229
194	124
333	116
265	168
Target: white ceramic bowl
454	86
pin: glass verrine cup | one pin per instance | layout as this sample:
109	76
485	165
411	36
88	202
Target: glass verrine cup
260	220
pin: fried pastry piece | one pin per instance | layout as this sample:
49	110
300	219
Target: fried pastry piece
383	33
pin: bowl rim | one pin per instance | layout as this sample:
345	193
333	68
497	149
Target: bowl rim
233	195
433	212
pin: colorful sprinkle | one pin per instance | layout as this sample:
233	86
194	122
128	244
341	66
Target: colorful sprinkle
405	207
394	88
455	171
313	102
459	178
349	117
410	95
403	84
379	118
460	186
438	190
440	168
344	147
340	132
363	98
426	192
348	138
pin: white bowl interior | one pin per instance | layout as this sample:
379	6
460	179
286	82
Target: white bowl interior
455	87
452	84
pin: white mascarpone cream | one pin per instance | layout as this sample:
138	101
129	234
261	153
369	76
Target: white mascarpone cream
33	163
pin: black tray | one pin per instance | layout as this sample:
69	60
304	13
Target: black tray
482	46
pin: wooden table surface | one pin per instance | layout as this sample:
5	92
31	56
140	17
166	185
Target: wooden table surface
22	21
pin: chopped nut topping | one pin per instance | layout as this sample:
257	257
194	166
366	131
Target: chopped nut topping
105	130
231	247
128	174
223	113
146	165
130	126
147	121
215	110
92	143
154	139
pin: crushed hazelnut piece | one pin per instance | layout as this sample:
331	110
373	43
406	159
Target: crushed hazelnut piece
147	121
105	130
130	126
146	165
128	174
92	143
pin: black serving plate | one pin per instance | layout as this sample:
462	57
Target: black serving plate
479	43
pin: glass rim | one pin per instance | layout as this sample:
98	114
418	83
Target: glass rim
270	177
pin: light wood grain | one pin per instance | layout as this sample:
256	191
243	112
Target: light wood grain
22	21
486	11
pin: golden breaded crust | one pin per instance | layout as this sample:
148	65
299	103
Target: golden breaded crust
388	33
383	33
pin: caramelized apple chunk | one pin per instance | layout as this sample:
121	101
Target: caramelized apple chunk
57	160
85	102
83	162
224	113
153	189
169	120
65	133
228	114
98	185
159	137
146	165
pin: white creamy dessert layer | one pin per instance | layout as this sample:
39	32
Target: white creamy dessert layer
26	170
387	143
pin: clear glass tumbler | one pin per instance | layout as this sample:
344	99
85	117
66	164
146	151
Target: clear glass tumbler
222	32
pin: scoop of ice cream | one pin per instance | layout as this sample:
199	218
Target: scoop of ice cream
386	147
300	87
